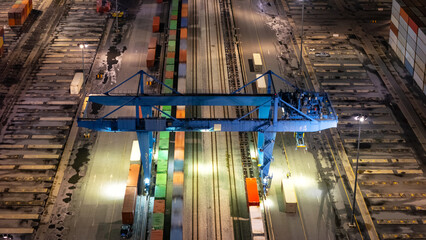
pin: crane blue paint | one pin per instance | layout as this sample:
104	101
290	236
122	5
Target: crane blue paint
301	111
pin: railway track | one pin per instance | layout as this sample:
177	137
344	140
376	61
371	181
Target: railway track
39	118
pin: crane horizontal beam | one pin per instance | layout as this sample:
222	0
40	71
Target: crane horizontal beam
182	100
205	125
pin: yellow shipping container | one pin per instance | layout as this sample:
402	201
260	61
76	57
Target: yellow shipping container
1	42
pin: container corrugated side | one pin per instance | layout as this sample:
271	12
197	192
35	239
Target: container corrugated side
411	33
396	5
417	69
403	25
420	54
158	221
395	21
410	59
400	54
409	67
422	34
402	34
418	80
421	44
409	50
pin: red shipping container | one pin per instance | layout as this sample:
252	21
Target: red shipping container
170	54
132	179
129	204
24	11
150	58
152	43
183	33
252	193
156	24
159	206
156	234
172	32
182	56
394	29
413	25
174	17
169	74
403	14
159	1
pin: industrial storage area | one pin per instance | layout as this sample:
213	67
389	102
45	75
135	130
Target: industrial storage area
199	119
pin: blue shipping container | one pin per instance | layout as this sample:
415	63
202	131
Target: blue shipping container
409	67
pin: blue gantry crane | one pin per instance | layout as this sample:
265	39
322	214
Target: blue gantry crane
291	111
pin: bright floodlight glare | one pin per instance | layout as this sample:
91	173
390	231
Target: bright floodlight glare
81	45
360	118
146	181
268	202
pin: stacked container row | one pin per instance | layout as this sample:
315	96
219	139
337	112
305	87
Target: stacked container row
19	12
407	37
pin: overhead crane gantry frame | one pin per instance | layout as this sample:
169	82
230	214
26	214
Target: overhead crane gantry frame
302	111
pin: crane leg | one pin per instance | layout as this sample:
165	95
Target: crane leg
266	143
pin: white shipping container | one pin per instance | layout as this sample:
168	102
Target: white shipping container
421	44
290	198
401	46
400	55
395	21
257	62
393	46
409	50
412	34
403	40
259	238
257	226
402	33
409	58
402	24
418	70
419	81
422	34
261	83
256	220
76	83
135	155
421	65
420	54
411	41
395	13
396	5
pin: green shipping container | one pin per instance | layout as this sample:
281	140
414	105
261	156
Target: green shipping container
163	155
160	191
169	67
168	112
164	134
163	144
173	24
167	108
169	83
175	5
158	221
162	166
175	12
161	179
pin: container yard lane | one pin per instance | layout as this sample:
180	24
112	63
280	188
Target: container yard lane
360	75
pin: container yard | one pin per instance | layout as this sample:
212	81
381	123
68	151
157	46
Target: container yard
407	37
151	120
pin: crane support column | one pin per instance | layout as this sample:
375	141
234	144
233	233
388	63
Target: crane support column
146	143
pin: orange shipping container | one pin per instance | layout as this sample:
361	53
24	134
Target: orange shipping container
152	43
184	13
156	24
182	56
179	141
404	15
170	54
169	74
150	58
394	29
156	234
178	178
252	193
159	206
179	153
172	32
185	6
183	33
129	204
132	179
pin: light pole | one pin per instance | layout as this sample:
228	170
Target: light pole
301	39
360	119
83	46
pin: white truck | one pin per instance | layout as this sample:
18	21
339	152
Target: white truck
261	84
76	83
257	62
